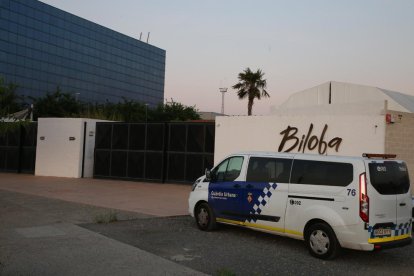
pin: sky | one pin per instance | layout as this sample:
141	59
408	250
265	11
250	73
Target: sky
298	44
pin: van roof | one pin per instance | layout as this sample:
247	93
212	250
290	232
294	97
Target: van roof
298	155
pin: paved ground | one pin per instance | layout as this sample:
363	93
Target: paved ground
147	198
246	252
40	235
47	227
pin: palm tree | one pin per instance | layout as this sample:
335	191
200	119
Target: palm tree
251	85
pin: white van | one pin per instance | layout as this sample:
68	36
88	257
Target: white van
361	203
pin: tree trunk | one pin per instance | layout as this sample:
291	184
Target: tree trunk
249	107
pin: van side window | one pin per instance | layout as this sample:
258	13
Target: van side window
263	169
322	173
228	170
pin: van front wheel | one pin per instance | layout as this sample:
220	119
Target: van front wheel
321	241
205	217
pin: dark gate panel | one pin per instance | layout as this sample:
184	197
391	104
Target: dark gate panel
28	149
18	149
189	146
172	152
130	151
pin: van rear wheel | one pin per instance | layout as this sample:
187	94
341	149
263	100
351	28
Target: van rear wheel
205	218
321	241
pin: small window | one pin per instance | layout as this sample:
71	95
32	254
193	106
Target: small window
389	177
322	173
263	169
228	170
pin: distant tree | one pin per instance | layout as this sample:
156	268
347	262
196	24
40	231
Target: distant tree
174	111
57	104
60	104
10	102
133	111
252	86
107	111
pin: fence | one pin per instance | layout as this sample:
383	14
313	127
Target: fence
18	148
161	152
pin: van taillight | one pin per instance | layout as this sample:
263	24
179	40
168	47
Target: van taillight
363	198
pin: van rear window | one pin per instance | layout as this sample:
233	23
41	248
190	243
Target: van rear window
389	177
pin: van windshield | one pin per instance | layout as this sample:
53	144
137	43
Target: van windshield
389	177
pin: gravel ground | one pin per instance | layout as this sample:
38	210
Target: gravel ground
233	250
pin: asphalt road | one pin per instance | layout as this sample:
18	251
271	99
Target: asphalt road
233	250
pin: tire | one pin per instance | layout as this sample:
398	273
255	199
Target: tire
321	241
205	218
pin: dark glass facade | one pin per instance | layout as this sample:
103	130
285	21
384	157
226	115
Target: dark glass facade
42	47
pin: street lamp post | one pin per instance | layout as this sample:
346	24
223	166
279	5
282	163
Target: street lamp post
223	90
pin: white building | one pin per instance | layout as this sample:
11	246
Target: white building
333	118
347	95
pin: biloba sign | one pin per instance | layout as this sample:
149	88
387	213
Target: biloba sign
308	141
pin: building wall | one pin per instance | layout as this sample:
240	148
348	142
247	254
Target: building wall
358	133
42	47
399	138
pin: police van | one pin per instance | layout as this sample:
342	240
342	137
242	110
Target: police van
331	202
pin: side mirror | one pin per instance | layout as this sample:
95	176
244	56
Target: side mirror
208	174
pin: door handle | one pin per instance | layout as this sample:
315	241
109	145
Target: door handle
402	204
249	186
236	186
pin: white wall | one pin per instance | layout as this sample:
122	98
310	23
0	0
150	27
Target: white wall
359	133
60	155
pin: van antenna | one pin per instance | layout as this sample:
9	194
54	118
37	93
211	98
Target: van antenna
148	36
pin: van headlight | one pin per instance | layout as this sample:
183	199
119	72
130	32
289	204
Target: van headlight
195	184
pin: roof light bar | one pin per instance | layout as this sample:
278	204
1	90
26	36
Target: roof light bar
378	155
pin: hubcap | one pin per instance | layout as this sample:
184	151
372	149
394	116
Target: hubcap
319	242
203	217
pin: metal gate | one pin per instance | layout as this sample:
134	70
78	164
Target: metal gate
161	152
18	149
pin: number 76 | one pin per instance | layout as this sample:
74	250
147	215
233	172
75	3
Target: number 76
351	192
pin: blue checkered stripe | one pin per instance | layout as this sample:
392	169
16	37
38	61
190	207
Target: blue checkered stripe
262	200
401	229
